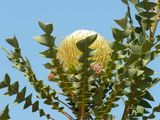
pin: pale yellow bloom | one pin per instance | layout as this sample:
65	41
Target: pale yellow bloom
68	52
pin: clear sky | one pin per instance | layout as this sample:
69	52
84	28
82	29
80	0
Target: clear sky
20	17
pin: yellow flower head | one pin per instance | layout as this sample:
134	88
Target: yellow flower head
68	52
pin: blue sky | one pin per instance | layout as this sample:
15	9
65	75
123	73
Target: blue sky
20	18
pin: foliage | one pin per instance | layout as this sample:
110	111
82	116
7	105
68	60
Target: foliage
89	95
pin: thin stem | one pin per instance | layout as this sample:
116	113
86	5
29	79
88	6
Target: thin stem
67	115
64	104
128	104
125	113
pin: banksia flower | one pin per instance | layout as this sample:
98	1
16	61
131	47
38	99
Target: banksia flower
97	68
68	51
51	76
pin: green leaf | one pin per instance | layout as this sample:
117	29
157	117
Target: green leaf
152	116
5	82
28	101
119	35
48	102
147	14
132	72
146	5
48	28
42	40
20	96
116	46
157	109
46	53
13	42
85	43
41	112
45	40
98	97
133	58
136	49
35	106
148	96
140	109
140	72
147	46
122	22
13	89
148	71
4	115
145	104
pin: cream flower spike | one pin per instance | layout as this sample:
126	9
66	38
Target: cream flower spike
68	51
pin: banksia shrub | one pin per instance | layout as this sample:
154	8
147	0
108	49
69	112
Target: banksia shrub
93	74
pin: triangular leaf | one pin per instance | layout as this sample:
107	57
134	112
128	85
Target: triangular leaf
48	28
122	22
148	96
4	115
13	42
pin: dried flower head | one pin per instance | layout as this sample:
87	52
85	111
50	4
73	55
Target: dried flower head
51	76
97	68
68	51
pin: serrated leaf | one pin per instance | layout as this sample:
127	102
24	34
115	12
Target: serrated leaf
133	58
146	5
148	21
28	101
5	82
48	28
12	89
83	45
35	106
46	54
13	42
20	96
119	34
49	65
122	22
147	14
45	40
136	49
118	46
147	46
